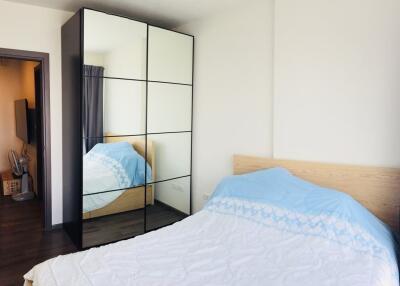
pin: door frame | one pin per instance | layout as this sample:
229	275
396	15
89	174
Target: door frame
43	58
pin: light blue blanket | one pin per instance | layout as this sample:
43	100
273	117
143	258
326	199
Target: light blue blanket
292	204
132	172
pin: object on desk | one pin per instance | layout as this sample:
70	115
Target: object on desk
19	165
11	184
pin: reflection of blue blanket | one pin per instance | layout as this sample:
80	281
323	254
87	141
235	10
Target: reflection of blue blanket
122	154
111	167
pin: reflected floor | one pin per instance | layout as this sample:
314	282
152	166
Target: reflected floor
128	224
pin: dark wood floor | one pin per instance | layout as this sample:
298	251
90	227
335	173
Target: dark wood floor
23	243
128	224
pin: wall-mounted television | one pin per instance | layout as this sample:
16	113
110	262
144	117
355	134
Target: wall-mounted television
21	120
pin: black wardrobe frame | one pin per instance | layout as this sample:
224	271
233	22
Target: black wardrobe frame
72	42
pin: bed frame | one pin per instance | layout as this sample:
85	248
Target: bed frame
132	198
377	188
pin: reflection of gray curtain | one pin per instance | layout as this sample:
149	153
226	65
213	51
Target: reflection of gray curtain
92	106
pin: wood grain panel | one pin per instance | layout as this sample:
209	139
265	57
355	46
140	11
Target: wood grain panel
377	188
131	199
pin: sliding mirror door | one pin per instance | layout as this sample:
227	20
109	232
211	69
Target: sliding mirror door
136	127
113	126
116	43
169	125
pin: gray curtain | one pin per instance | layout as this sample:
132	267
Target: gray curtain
92	106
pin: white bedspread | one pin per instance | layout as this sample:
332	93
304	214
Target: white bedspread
99	176
210	248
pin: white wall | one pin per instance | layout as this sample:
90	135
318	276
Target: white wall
335	77
232	91
94	58
333	72
38	29
337	87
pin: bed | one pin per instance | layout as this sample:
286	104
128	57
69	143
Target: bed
127	199
262	227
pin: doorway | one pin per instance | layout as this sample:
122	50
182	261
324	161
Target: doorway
39	127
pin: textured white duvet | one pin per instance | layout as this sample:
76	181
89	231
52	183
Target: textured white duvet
100	177
209	248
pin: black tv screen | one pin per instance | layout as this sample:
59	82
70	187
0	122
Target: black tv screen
21	119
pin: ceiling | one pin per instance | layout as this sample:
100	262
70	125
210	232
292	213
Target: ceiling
167	13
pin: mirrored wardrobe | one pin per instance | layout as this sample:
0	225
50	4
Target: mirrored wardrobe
127	127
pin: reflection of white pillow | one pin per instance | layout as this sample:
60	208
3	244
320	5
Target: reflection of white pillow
98	177
124	161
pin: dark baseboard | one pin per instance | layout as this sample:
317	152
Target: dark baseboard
57	226
171	208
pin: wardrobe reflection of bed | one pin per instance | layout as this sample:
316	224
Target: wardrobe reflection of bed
132	198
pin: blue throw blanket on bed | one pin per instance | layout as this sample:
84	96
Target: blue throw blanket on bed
276	198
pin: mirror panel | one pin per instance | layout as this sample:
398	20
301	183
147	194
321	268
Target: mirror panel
169	108
115	43
171	203
113	189
124	107
172	154
113	107
111	223
113	163
118	159
170	56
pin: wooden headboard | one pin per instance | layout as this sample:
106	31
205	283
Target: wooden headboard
378	189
